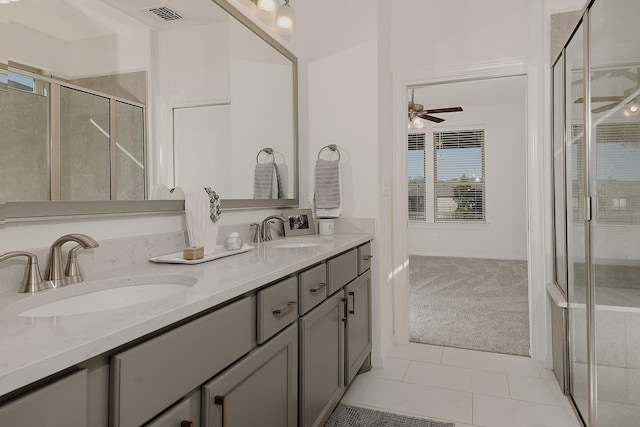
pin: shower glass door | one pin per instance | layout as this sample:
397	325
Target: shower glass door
614	50
575	161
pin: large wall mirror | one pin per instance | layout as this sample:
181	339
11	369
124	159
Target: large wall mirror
107	105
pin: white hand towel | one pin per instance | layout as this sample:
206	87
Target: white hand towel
332	212
201	230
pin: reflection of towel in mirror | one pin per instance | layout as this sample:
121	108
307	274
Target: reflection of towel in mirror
328	189
264	184
282	176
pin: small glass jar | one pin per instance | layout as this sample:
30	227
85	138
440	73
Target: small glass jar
233	242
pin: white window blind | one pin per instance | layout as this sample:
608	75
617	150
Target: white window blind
618	173
417	190
458	163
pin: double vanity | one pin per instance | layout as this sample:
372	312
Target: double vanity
269	337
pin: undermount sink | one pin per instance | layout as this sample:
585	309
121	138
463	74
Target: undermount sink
120	293
298	242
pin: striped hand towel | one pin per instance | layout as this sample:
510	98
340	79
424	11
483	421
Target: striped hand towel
327	185
263	181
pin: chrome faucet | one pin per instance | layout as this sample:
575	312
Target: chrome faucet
32	281
55	272
266	228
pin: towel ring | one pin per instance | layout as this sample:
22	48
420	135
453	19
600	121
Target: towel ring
331	147
269	152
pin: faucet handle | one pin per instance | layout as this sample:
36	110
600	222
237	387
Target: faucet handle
256	237
72	271
32	281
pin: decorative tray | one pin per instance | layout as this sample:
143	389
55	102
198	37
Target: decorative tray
220	252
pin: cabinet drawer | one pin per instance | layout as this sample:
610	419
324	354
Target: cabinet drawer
148	378
364	257
277	308
312	287
341	270
62	403
185	413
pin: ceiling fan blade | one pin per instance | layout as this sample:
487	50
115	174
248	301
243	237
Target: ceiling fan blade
604	108
430	118
601	99
444	110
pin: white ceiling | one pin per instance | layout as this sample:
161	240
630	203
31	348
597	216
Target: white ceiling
71	20
472	93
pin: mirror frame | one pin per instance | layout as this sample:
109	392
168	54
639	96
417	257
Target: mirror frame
46	209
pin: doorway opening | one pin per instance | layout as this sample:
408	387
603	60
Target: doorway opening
467	212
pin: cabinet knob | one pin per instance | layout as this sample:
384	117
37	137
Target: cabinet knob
220	400
352	295
317	288
281	311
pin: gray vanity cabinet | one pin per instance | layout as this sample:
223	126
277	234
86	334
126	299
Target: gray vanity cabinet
321	361
150	377
341	270
260	390
358	331
62	403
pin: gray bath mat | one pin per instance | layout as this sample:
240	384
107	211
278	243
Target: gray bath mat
353	416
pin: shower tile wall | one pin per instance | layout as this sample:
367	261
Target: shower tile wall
24	163
84	152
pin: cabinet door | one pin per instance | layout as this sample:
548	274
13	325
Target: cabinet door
62	403
358	339
321	361
260	390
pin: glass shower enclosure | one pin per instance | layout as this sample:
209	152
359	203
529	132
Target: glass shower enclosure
596	156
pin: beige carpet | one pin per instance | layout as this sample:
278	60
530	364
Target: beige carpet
478	304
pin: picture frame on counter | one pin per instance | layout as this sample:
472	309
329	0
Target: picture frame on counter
300	222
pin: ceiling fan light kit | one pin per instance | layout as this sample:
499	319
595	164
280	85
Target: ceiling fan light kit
417	114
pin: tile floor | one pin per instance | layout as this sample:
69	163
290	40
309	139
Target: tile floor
470	388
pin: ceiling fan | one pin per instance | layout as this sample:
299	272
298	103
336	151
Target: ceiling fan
417	110
627	96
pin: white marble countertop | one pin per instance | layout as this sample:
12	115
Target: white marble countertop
33	348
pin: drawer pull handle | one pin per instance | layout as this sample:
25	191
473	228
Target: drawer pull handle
367	257
219	400
317	288
186	423
281	311
353	295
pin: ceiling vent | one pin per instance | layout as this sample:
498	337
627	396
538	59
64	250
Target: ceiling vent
164	13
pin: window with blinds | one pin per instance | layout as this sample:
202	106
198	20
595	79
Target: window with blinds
458	161
617	173
417	190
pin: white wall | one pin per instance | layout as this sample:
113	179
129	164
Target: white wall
339	89
504	236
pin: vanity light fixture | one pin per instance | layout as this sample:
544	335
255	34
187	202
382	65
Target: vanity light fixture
265	8
4	1
284	19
